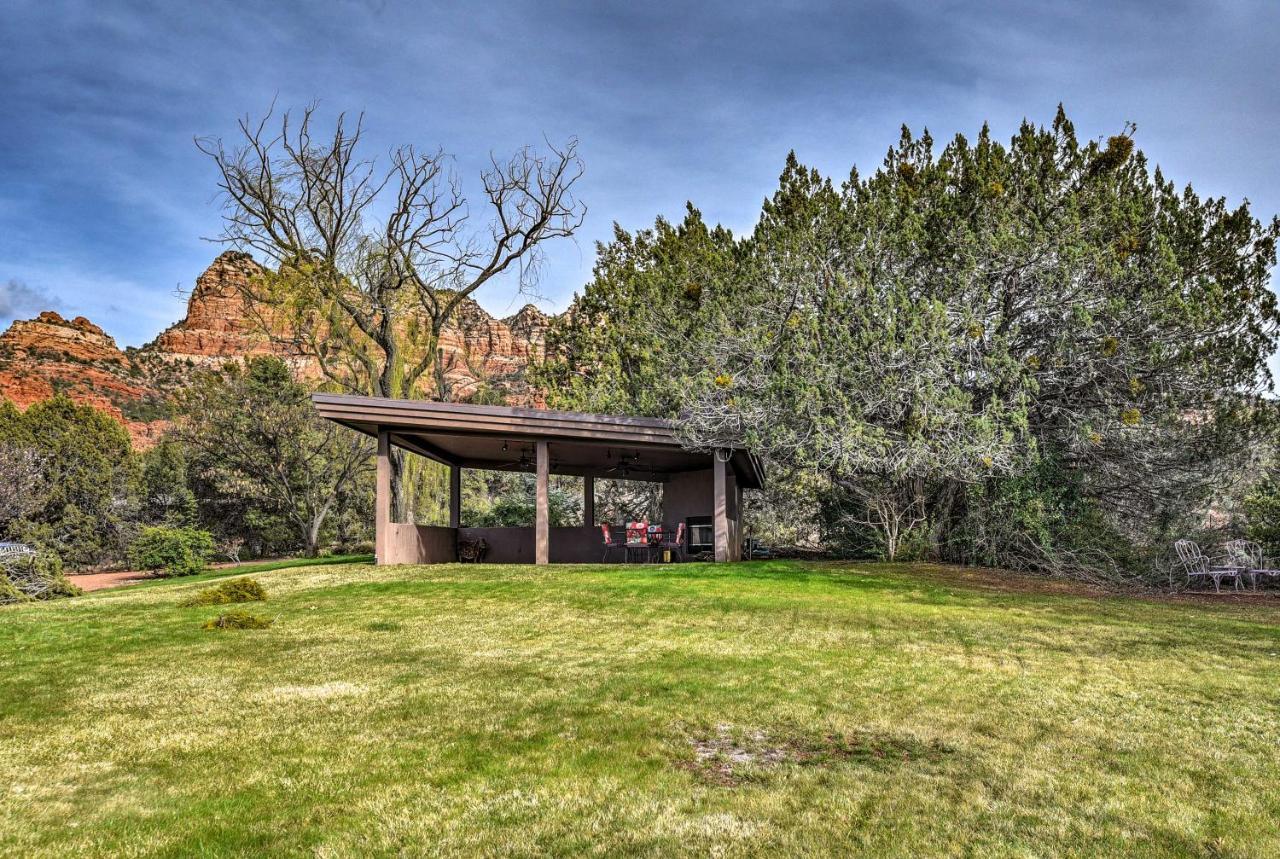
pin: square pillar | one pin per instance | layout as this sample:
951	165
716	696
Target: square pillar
542	518
455	496
589	502
382	499
720	507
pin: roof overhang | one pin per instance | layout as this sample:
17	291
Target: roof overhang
502	438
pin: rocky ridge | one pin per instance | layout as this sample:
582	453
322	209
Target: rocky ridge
482	356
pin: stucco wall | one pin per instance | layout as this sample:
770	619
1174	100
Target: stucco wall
420	544
690	493
572	545
686	494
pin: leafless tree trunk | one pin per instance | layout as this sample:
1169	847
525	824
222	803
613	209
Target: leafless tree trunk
367	294
891	506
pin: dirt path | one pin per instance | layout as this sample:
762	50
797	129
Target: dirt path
99	581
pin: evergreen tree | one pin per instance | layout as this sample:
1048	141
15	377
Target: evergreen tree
1048	323
87	473
165	498
262	454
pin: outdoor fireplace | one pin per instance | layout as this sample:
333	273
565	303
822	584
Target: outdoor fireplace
699	535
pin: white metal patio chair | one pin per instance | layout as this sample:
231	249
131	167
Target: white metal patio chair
1248	555
1195	564
11	553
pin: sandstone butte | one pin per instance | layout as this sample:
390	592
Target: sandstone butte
49	354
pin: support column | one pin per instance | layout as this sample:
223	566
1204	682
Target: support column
738	534
382	499
589	502
455	496
720	516
542	530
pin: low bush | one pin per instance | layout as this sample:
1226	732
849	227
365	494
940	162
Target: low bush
171	551
38	578
233	591
238	620
9	593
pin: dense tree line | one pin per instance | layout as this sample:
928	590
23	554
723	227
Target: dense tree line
1040	355
246	461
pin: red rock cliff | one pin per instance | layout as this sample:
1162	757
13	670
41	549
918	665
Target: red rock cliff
47	354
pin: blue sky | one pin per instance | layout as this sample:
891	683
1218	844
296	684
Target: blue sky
105	201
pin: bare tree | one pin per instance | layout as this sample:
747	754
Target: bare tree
367	294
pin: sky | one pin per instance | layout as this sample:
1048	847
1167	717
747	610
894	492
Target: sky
107	207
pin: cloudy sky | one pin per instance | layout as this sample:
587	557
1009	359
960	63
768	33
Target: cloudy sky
106	205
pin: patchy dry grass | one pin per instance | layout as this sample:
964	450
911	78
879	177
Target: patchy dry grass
731	756
764	708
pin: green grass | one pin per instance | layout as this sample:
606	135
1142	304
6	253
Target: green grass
885	710
259	567
286	563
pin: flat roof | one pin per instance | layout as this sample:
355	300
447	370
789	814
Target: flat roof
501	438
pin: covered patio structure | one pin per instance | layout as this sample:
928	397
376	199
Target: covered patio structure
701	489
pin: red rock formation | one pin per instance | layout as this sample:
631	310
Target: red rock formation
41	356
218	324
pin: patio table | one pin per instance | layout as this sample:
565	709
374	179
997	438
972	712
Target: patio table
646	542
643	547
1248	559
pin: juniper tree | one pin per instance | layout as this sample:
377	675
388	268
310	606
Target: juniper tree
255	440
965	318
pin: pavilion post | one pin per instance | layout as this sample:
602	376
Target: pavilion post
589	501
720	516
455	496
542	530
382	499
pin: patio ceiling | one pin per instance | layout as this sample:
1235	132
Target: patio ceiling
502	438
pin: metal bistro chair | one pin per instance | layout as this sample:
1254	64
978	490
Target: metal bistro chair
1248	555
1194	563
611	543
674	542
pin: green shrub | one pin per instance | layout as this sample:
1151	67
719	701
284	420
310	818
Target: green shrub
233	591
9	593
171	551
238	620
38	578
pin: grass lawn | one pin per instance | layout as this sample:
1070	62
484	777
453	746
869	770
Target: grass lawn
255	567
766	708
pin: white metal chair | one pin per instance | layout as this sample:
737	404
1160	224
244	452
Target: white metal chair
1195	564
1248	555
11	553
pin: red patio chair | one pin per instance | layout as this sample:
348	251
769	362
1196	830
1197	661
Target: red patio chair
674	542
610	542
